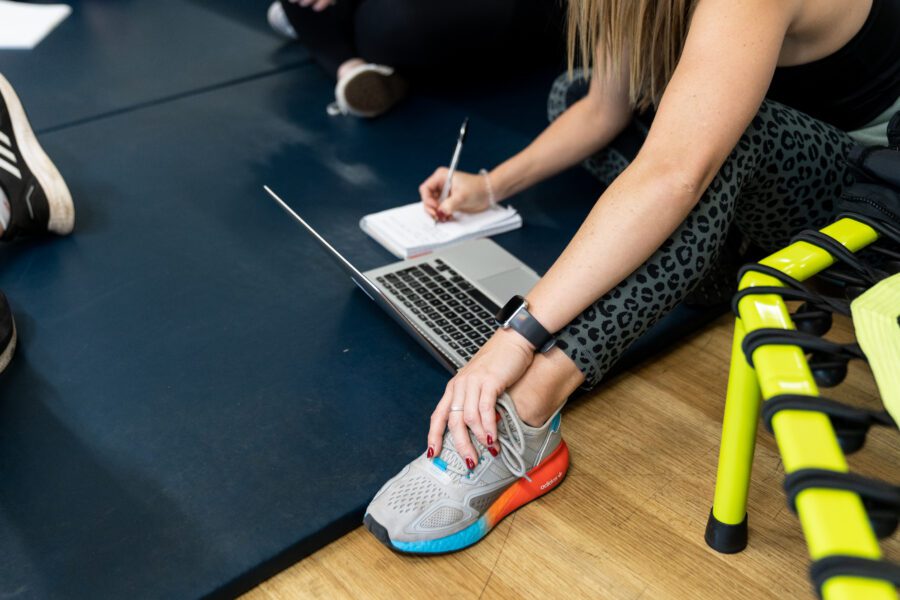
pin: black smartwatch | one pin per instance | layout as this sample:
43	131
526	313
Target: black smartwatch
515	315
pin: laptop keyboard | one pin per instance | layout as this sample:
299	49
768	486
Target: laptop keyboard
446	303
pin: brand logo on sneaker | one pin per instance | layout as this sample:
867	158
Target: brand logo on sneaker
7	158
556	478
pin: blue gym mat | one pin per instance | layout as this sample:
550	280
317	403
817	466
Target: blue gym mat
108	57
200	398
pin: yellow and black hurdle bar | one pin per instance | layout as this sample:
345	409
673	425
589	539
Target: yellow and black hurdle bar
835	522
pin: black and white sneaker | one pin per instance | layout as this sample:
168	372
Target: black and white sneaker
7	333
39	200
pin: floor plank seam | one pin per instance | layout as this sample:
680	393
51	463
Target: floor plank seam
173	97
499	554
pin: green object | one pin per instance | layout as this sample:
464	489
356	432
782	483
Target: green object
834	521
876	318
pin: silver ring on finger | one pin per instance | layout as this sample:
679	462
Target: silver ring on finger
456	409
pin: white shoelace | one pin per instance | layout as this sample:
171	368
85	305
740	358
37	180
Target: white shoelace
512	447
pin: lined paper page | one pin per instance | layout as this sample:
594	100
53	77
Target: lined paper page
409	227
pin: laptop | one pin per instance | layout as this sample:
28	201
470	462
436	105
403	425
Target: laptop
447	299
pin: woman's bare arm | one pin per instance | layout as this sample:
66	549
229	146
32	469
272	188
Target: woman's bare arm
725	69
586	127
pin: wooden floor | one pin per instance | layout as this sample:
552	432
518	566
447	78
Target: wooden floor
628	522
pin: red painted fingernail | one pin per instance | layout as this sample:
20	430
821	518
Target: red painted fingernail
470	463
494	452
430	453
490	440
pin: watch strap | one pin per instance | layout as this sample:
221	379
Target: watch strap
531	329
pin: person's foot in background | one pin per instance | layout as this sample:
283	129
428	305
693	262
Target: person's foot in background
363	89
366	90
279	22
34	198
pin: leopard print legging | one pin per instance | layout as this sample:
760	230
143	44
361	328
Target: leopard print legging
784	175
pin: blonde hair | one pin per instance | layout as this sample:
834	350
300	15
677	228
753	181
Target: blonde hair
647	35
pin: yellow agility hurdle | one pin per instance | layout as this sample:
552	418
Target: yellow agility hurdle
834	521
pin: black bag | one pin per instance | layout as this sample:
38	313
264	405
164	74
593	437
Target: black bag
876	193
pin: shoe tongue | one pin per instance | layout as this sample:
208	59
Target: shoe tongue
451	456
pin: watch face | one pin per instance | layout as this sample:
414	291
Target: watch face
509	309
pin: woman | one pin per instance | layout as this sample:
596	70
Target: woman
718	151
372	47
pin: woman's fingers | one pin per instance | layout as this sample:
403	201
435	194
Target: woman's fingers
449	205
477	415
321	5
429	203
435	182
430	192
439	423
460	434
456	199
466	195
487	409
432	208
458	195
495	367
471	415
458	427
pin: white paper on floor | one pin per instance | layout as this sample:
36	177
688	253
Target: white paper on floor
23	26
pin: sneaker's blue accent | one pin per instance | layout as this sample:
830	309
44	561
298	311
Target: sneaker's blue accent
451	543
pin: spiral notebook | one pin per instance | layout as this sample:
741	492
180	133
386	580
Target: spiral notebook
407	231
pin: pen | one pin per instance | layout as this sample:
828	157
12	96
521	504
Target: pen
453	162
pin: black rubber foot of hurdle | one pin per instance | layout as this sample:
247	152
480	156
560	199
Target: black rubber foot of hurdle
725	538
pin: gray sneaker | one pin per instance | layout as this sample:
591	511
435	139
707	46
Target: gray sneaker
438	505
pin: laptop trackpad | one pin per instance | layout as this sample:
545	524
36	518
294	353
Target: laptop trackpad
505	285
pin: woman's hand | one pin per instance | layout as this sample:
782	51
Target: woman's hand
468	193
498	364
316	5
